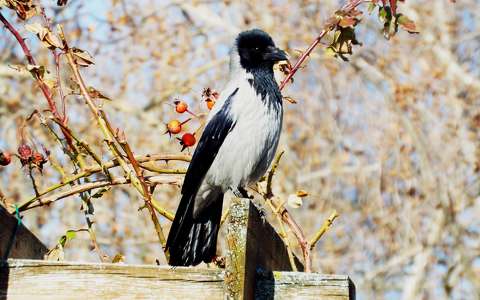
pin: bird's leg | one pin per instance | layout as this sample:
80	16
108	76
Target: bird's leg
237	193
241	193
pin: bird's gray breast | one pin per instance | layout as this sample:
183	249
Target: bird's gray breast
250	147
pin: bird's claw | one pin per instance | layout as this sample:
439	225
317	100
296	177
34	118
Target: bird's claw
240	192
263	214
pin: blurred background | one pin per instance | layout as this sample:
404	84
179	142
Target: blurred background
389	139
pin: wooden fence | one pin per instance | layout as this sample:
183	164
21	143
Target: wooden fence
257	267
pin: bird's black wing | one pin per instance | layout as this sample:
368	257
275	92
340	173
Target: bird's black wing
212	139
192	240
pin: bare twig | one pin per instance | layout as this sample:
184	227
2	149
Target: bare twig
59	87
34	184
89	211
350	5
100	184
146	192
269	193
279	210
90	170
45	90
283	234
326	225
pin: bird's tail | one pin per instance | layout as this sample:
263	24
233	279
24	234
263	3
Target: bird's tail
192	240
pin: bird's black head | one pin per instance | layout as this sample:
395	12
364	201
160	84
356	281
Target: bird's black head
257	50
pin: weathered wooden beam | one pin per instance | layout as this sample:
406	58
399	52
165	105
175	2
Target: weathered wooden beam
298	285
17	240
255	260
252	244
35	279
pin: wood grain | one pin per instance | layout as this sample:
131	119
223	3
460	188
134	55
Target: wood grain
25	244
297	285
33	279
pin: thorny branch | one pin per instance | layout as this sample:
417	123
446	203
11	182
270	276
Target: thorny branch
281	212
45	90
326	225
160	179
110	139
351	5
90	170
132	166
134	177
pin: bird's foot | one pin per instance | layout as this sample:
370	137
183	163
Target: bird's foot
262	212
219	261
240	192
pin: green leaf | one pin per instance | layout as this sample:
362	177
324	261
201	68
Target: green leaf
382	14
71	234
62	240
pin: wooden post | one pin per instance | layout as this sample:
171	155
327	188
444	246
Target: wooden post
17	239
253	245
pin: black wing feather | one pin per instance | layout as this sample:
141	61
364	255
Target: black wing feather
192	240
212	139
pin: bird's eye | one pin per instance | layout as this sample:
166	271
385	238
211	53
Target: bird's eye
256	48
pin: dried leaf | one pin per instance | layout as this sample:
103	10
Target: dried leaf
36	70
82	57
25	9
50	80
406	24
348	21
96	94
119	258
55	254
49	39
37	29
302	193
343	39
52	41
290	99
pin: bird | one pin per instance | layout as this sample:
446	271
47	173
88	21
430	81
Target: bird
236	148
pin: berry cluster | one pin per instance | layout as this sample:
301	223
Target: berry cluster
209	96
26	155
31	157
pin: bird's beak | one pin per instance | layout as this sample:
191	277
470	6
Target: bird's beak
274	54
